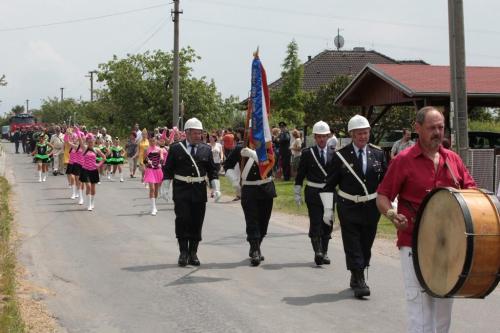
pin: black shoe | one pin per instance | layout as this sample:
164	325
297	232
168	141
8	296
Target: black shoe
318	253
193	257
183	259
254	253
324	245
326	260
184	256
361	289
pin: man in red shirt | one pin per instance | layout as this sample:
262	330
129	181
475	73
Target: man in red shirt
411	175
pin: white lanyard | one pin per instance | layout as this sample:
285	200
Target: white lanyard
353	172
192	159
317	162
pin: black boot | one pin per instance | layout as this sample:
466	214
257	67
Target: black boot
318	251
193	250
260	250
183	256
254	252
324	244
360	288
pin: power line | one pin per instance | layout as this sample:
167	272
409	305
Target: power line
293	34
346	18
159	27
91	18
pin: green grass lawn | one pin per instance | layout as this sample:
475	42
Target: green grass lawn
285	203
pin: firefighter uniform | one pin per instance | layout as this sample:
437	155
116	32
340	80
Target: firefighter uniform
257	197
187	167
312	169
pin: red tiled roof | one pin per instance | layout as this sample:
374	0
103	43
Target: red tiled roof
418	79
324	67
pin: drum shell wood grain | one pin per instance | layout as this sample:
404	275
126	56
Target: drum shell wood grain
475	270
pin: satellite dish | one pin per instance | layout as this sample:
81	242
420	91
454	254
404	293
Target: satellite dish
338	41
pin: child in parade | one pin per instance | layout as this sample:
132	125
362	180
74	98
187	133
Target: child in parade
116	159
42	155
153	174
76	168
70	138
107	164
143	146
90	173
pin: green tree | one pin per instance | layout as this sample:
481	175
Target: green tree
287	103
54	111
17	109
140	88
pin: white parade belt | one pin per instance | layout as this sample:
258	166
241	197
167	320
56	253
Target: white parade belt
357	198
315	185
257	182
189	179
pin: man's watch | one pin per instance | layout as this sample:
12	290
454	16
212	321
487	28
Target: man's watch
391	213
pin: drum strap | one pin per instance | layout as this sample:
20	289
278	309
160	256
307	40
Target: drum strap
457	184
408	205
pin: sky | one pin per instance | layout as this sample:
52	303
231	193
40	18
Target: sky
46	45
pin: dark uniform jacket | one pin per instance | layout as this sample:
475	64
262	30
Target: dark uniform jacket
179	163
339	175
309	170
267	190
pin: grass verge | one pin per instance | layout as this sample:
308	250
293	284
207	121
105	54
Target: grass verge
10	317
285	203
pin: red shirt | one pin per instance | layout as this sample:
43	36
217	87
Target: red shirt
228	140
411	175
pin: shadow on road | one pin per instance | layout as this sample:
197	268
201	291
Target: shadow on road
319	298
273	267
222	265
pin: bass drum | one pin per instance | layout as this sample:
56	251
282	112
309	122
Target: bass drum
456	243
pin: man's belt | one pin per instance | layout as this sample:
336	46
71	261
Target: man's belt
189	179
315	185
257	182
357	198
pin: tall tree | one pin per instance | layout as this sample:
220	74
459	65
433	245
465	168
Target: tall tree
17	109
287	102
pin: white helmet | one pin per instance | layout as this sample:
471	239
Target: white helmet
357	122
193	123
321	128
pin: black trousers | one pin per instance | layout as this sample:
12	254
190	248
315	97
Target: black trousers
317	228
358	224
257	215
285	165
16	143
189	218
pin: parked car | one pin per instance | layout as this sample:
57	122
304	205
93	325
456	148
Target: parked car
5	132
484	140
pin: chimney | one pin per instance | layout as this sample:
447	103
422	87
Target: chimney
309	58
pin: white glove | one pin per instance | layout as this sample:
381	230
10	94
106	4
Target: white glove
250	153
297	189
327	200
166	190
216	186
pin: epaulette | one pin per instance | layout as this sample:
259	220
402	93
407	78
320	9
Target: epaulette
375	147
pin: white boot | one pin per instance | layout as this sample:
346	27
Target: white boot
90	202
153	206
121	177
74	196
80	202
44	179
39	176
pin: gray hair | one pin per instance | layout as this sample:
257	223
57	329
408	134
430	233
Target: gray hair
420	117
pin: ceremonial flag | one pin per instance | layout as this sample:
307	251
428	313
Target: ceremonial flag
259	108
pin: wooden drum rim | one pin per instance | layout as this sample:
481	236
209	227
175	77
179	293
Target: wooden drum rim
469	229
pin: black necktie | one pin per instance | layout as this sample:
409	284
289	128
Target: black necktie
360	160
193	150
321	157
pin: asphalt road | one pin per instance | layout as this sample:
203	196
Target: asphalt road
114	269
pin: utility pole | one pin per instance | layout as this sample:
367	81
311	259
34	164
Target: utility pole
91	76
175	18
458	93
62	94
27	106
